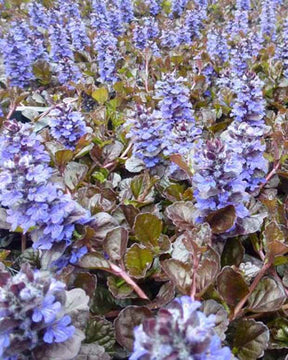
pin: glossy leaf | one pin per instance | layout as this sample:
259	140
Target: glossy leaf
269	294
231	286
248	338
148	228
138	260
126	321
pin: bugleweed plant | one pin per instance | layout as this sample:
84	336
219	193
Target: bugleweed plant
143	180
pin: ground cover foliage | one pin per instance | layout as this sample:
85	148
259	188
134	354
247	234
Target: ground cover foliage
143	179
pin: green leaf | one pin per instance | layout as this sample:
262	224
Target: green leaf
62	157
148	228
222	220
179	273
101	331
233	252
101	95
248	338
103	301
279	333
119	288
115	243
42	72
231	286
138	260
269	295
126	322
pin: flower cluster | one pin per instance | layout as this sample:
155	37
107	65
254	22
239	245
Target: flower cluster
268	19
17	49
180	331
145	32
154	6
217	46
178	7
67	126
218	178
126	6
78	34
245	134
282	48
33	202
115	20
145	133
61	53
107	56
32	313
38	14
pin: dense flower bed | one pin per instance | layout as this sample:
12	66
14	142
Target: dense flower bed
143	179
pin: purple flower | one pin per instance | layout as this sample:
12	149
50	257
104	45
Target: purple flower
18	55
178	7
77	254
60	331
47	311
145	134
67	126
268	19
78	34
217	45
179	331
33	302
32	200
218	178
145	32
107	56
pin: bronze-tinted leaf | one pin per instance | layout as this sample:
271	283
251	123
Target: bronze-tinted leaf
210	307
126	321
231	286
164	296
74	173
248	338
94	260
233	252
269	295
115	243
182	214
179	273
222	220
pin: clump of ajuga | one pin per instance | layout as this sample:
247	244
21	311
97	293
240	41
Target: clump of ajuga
107	56
34	316
179	332
178	125
245	134
145	135
17	49
67	126
218	178
34	203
